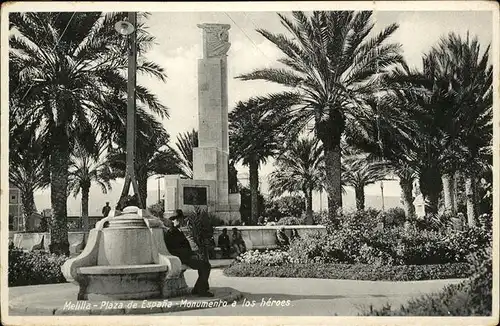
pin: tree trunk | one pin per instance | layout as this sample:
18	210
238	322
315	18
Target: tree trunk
477	197
126	188
333	179
85	208
456	178
254	190
142	181
471	205
28	201
407	196
449	193
59	161
360	197
309	211
430	185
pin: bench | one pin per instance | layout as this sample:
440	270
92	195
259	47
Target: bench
122	282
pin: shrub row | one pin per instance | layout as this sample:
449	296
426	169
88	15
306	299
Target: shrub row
351	271
469	298
31	268
357	243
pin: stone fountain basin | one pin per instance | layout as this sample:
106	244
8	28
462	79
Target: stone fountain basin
122	282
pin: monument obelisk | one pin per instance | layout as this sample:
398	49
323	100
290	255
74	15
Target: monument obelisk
210	159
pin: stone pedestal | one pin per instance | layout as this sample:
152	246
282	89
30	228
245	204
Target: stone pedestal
174	194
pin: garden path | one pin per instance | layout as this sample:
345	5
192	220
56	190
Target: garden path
313	297
308	297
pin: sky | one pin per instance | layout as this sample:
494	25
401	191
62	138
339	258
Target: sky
178	48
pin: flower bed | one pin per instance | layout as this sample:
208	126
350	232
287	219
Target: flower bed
350	271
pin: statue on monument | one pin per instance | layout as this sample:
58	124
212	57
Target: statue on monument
215	39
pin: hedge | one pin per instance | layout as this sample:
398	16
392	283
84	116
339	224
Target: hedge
472	297
36	267
352	271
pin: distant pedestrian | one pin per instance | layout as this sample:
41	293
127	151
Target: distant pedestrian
281	238
224	243
295	234
237	240
106	209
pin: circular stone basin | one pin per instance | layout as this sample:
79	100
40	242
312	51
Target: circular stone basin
124	282
122	269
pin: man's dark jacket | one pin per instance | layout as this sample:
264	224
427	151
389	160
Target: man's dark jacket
177	244
223	240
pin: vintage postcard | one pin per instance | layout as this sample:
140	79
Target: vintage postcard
275	163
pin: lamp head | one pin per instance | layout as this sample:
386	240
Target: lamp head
124	27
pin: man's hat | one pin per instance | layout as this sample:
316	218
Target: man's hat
178	215
174	217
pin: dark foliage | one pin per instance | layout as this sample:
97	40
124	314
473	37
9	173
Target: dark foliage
31	268
469	298
352	271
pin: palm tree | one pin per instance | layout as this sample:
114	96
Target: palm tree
71	71
299	169
469	74
422	98
185	143
87	168
28	164
391	137
331	64
360	171
255	134
451	99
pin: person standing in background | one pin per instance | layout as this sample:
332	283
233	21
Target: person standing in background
106	209
237	240
224	243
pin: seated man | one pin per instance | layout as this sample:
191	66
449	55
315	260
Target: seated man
178	245
238	243
224	243
295	234
282	238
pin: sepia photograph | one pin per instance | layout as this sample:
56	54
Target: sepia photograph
250	163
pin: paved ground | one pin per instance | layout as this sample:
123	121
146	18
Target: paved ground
313	297
292	296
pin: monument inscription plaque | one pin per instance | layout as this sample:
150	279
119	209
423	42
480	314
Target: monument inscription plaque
195	196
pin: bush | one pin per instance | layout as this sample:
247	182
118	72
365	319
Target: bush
320	218
350	271
290	220
158	209
395	217
359	220
31	268
285	206
470	298
309	248
360	241
74	226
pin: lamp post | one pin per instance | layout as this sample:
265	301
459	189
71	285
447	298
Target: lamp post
382	192
128	29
